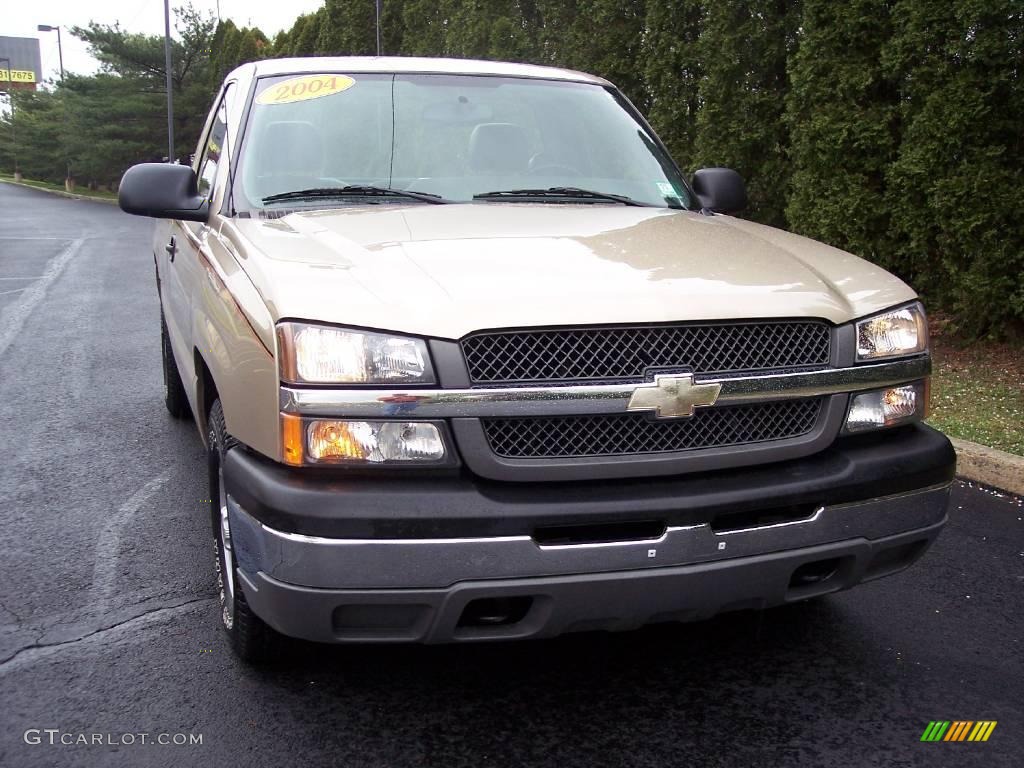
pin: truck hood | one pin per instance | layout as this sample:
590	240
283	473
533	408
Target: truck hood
447	270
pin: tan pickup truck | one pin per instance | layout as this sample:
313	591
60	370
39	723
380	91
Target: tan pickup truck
474	360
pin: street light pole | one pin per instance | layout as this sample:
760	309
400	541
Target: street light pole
60	48
60	55
68	183
14	130
170	96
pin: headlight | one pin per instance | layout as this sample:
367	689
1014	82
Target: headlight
335	441
898	332
886	407
313	354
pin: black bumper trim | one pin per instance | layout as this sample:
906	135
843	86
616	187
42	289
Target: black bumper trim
393	506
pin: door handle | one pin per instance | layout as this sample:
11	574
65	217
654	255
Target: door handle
171	248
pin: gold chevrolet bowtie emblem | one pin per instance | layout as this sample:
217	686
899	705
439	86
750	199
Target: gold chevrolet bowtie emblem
673	397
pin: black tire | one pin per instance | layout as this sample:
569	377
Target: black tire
174	391
251	639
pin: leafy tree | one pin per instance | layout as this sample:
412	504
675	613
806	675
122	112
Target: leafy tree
956	189
840	113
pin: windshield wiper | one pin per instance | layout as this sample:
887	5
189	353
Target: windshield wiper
563	192
354	190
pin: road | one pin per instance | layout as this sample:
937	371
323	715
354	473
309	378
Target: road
108	621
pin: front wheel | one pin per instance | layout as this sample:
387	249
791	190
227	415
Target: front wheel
251	638
174	391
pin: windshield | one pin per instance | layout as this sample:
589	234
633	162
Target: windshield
457	137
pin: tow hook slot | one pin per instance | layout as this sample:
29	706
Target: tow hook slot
819	577
490	612
810	574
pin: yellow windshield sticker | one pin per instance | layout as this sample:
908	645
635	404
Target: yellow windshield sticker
305	88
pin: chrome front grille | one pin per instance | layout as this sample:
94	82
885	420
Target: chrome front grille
577	355
633	434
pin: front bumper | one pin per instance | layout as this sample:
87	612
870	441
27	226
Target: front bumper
415	560
553	605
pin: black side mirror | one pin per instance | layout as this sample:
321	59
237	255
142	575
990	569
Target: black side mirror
163	191
720	190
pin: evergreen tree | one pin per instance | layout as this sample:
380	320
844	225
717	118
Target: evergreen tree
744	46
503	30
281	47
427	24
672	71
956	190
40	136
348	28
603	37
224	52
251	46
139	61
308	33
840	113
557	18
109	127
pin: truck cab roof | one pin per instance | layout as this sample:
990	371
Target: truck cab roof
410	65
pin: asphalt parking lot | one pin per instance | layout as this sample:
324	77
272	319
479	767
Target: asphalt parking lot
108	619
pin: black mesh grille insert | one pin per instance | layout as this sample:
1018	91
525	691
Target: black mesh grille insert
630	434
626	354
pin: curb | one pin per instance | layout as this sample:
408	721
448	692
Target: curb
988	466
60	192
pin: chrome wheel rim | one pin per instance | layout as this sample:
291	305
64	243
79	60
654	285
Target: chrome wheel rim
225	561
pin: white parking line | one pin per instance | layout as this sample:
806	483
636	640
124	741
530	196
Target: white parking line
13	316
104	573
16	290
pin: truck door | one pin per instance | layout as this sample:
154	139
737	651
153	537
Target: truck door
186	239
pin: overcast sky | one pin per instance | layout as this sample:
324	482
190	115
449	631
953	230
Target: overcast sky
19	18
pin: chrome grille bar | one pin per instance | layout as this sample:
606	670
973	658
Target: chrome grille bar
587	399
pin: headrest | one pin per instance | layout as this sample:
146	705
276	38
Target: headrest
293	148
498	148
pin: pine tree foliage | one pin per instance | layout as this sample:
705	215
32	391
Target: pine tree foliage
841	117
672	74
744	46
889	128
956	188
